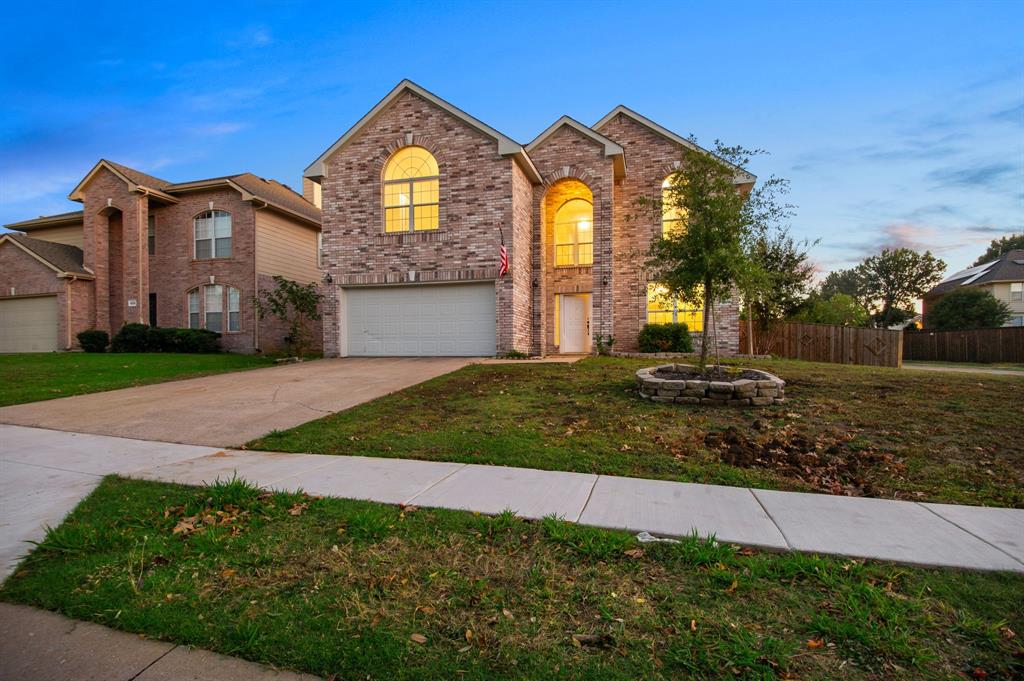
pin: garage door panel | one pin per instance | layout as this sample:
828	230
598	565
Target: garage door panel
28	324
424	320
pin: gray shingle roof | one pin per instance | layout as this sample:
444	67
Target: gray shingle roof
62	256
1009	267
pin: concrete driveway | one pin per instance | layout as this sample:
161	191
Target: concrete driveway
228	410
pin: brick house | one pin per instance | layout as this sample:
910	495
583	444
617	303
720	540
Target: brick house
145	250
418	197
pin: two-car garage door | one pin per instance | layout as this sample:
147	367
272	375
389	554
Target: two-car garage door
421	320
28	324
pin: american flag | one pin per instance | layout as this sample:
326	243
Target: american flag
503	262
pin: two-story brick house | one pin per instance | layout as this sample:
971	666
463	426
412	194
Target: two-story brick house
418	197
142	249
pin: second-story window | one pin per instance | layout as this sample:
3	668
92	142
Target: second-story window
672	217
151	235
411	191
1017	291
213	235
574	233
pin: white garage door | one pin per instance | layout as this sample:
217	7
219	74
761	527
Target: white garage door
28	324
421	320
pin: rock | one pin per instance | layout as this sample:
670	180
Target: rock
767	392
660	398
720	397
720	387
780	400
668	393
693	393
674	385
767	383
739	402
688	400
707	401
697	385
761	401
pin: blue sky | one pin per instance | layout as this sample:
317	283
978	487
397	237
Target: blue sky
897	123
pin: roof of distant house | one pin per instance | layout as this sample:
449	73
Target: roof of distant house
1008	267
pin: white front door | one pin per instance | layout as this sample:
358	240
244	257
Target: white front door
575	314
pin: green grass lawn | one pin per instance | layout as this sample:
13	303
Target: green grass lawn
358	590
1005	366
31	377
844	430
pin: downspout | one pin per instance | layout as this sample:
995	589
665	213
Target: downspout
255	275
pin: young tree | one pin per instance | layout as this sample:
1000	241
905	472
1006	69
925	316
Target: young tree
1000	246
706	260
894	279
967	308
295	304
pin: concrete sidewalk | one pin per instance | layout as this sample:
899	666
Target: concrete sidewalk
44	646
44	472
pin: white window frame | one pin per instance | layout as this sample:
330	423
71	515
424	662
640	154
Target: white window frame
410	185
230	302
213	238
576	246
1016	291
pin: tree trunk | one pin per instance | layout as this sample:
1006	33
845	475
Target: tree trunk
708	304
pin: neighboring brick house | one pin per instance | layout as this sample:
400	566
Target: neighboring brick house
418	196
1002	277
150	251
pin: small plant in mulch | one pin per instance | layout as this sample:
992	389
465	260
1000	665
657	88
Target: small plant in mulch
825	461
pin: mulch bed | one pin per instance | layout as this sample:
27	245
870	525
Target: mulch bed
711	374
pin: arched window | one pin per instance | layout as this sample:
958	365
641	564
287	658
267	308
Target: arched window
672	217
213	235
574	233
411	191
207	305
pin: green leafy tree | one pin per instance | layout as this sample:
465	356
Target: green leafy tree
297	305
784	276
705	261
1000	246
967	308
848	282
839	308
894	279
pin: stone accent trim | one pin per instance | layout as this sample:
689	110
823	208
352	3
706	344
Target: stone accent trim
417	277
767	389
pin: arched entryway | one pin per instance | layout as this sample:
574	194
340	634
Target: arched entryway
568	212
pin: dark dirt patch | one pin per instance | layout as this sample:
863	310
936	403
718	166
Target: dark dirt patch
825	460
712	374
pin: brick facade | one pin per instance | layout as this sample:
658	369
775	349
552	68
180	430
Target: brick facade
482	191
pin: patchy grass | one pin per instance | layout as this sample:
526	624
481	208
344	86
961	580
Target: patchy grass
31	377
370	591
845	429
1003	366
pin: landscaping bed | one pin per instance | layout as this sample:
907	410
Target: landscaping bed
348	589
845	429
32	377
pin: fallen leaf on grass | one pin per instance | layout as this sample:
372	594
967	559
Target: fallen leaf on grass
297	509
634	553
732	587
815	643
507	613
693	625
418	638
469	634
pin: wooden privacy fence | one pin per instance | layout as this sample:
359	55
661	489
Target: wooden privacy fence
1004	344
827	343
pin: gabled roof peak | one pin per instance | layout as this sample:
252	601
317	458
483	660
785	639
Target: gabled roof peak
506	145
611	148
742	176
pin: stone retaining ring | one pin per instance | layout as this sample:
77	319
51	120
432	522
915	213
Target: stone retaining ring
765	390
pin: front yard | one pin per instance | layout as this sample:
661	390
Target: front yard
348	589
32	377
845	430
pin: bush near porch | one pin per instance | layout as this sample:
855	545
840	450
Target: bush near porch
845	429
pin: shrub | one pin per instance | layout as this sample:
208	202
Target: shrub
665	338
131	338
94	340
142	338
196	341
